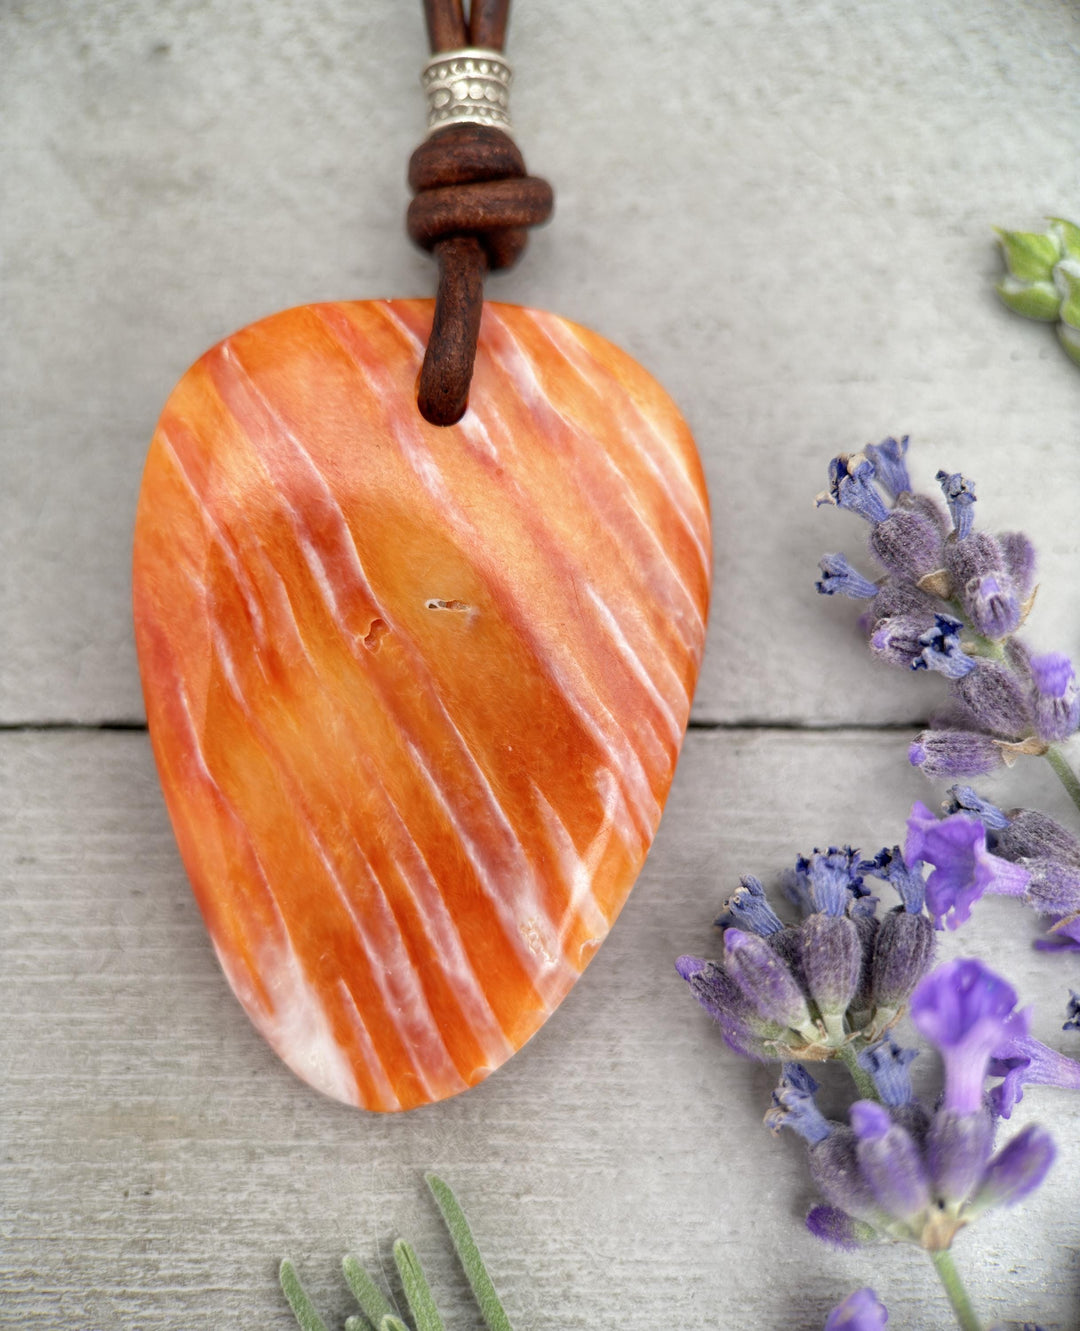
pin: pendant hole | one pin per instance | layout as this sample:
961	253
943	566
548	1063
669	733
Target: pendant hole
375	634
434	604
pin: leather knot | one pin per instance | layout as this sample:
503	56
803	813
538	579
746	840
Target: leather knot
473	204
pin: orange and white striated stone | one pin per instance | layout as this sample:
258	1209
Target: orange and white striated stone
416	695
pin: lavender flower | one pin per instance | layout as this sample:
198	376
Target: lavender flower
951	603
837	575
967	1012
1024	1061
941	649
1057	699
850	487
793	1106
748	908
806	992
959	496
1072	1012
952	753
963	866
890	467
887	1063
974	860
837	1229
860	1311
922	1177
1063	935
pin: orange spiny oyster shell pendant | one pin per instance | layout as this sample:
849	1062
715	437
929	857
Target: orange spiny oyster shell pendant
415	694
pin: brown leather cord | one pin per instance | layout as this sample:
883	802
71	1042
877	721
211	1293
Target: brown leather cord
472	208
446	25
487	24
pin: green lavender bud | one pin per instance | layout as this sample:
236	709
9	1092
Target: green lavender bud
1030	256
1032	300
1067	279
1043	281
1068	234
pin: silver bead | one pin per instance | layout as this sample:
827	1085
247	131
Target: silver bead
471	86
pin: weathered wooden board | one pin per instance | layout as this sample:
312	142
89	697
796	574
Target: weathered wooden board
783	211
157	1160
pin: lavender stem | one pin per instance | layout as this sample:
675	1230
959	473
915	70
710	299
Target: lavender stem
864	1083
954	1288
1065	773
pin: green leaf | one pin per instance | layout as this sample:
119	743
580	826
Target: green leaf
392	1323
303	1308
368	1295
1034	300
1067	277
357	1323
417	1290
1030	255
1068	234
494	1313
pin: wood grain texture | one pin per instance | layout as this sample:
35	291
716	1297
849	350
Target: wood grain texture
158	1160
416	695
783	212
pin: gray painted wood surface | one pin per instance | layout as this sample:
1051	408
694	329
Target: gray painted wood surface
783	211
158	1159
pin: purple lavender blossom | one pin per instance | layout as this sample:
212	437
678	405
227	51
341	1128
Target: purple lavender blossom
903	949
851	487
1053	887
890	1161
959	496
1057	699
997	700
890	468
838	576
831	956
1028	834
994	604
907	543
748	908
837	1229
967	1013
1019	556
1072	1012
766	982
724	1001
805	992
1016	1170
887	1063
825	881
952	753
965	799
895	870
910	1175
963	867
977	567
958	1148
898	639
1064	935
941	650
1024	1061
793	1106
860	1311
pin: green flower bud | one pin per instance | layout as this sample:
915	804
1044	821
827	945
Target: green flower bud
1068	234
1034	300
1067	279
1029	255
